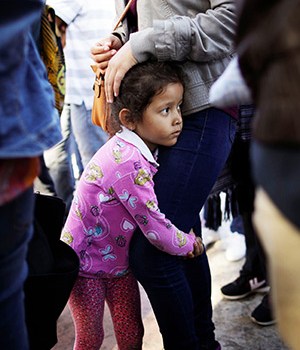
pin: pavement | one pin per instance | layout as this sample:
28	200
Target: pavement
234	328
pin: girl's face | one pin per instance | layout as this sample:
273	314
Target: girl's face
161	123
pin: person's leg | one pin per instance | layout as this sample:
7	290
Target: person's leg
43	183
88	136
123	300
86	304
237	225
254	265
235	244
163	278
76	159
201	295
252	277
186	175
16	219
58	161
189	169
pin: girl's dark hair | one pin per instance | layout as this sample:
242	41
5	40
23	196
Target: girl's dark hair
140	84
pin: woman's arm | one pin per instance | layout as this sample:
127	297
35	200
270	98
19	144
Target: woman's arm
206	37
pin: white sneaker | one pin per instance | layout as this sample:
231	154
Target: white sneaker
236	247
209	236
225	234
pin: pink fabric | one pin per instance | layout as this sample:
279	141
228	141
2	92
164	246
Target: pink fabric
232	111
115	195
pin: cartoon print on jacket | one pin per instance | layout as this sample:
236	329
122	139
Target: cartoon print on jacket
114	196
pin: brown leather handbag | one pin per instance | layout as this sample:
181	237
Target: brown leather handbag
100	109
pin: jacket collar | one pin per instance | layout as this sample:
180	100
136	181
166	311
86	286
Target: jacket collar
131	137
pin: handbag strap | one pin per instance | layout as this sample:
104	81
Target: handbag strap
123	14
100	72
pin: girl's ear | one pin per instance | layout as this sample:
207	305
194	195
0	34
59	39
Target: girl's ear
125	119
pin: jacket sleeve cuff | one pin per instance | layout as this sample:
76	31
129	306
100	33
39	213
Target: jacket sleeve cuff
161	41
142	44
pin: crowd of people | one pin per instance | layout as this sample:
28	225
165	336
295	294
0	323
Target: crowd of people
123	217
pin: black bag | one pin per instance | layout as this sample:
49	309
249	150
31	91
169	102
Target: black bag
53	269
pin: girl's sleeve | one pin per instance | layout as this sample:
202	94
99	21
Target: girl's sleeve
204	38
136	193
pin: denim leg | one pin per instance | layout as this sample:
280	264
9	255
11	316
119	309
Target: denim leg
189	169
164	280
180	290
58	161
88	136
237	225
16	218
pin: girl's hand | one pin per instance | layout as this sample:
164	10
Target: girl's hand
104	50
198	248
117	67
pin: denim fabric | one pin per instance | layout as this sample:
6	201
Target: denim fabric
16	230
88	136
28	120
58	160
28	125
180	290
237	225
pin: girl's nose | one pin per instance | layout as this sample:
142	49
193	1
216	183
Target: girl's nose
178	118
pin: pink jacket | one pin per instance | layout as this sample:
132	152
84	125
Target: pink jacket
115	195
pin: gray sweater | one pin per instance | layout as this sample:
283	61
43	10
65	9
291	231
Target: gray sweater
200	34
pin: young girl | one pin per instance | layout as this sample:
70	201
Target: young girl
115	195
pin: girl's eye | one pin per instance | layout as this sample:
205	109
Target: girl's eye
166	110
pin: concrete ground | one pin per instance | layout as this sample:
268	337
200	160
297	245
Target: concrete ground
234	329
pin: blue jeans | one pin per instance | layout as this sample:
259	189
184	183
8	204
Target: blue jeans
88	136
237	225
179	290
16	227
58	161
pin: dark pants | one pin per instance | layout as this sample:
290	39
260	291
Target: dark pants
16	227
180	290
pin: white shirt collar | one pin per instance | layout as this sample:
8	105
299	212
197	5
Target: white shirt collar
131	137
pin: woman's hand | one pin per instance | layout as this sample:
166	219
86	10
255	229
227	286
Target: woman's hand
104	50
117	67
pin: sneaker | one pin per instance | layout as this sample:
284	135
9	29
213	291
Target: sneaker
244	285
236	247
262	314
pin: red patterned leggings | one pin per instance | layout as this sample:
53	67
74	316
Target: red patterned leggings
87	308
